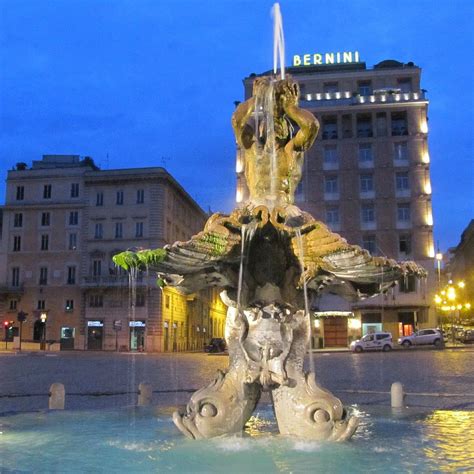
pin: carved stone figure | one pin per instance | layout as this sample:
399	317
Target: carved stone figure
264	256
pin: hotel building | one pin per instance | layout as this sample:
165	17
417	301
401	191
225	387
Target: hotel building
63	221
368	178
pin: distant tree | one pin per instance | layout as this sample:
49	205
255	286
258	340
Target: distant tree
21	166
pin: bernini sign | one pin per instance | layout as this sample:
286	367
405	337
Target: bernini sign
326	58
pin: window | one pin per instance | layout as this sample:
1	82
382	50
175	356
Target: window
366	183
72	244
44	242
13	305
365	153
401	181
75	190
43	279
99	199
119	200
330	184
405	84
18	220
399	124
118	230
331	87
71	275
140	299
330	155
140	196
407	284
47	191
329	128
98	231
368	243
403	212
167	301
69	305
139	229
96	301
365	87
400	151
404	244
20	193
364	126
15	276
367	213
17	243
45	219
332	215
41	304
74	218
96	267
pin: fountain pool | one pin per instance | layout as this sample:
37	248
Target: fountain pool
145	440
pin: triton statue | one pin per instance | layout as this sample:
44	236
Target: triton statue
265	256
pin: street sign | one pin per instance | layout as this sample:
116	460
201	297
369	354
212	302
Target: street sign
21	317
118	324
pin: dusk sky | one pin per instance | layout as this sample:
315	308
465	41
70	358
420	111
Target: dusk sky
153	83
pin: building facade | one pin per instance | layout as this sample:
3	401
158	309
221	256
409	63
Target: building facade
63	221
368	178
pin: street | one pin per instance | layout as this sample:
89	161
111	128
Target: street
426	371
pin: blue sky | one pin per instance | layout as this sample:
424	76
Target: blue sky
150	82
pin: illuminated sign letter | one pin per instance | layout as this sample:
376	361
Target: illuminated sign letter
296	60
317	59
356	56
338	57
307	60
347	57
329	59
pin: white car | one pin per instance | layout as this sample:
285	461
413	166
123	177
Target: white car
377	341
422	337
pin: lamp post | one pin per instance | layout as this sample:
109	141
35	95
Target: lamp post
43	318
439	258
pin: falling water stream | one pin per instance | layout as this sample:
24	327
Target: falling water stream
299	240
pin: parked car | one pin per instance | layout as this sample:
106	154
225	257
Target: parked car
422	337
468	336
216	344
377	341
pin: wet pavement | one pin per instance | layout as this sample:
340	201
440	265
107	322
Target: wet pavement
448	375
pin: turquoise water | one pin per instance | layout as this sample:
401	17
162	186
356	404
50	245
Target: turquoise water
145	440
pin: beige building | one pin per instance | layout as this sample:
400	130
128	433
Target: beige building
63	221
368	178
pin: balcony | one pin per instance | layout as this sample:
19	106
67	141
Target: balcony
109	281
381	96
8	289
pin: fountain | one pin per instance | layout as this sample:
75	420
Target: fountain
269	258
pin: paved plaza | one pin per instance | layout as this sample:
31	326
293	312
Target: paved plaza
114	378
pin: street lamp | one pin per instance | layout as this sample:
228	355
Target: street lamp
43	318
452	300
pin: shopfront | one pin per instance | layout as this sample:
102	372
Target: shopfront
137	335
95	335
371	322
67	338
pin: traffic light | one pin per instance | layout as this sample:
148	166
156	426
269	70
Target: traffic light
6	324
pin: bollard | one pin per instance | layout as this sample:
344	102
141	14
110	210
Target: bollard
57	396
397	395
145	394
